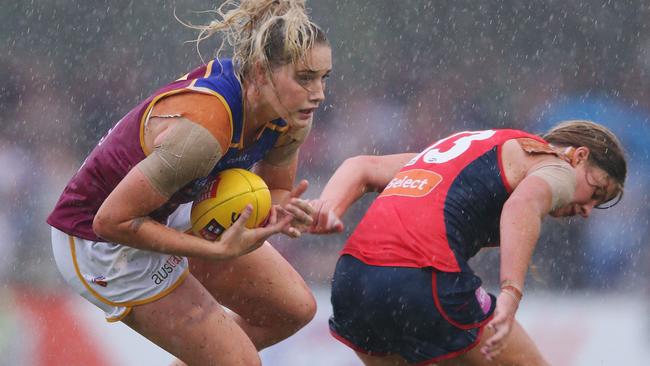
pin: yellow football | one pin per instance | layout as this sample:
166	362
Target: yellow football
222	200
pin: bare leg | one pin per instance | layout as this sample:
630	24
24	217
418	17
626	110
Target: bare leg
520	350
192	326
270	299
382	361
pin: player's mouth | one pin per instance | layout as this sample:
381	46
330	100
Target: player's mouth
306	113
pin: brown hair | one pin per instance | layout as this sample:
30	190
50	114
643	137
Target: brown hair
273	32
606	151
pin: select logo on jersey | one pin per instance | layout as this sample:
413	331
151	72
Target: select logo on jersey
166	269
412	183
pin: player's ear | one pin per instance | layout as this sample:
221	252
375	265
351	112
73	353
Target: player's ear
580	155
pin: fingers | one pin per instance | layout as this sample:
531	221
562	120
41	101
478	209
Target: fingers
301	211
273	217
495	344
292	232
303	205
285	224
325	220
243	217
279	220
299	189
333	224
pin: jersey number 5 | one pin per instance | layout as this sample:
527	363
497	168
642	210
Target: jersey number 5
462	142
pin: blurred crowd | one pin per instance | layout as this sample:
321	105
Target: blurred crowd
406	72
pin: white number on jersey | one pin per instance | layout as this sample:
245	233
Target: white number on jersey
433	155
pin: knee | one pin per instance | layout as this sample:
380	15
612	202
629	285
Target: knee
253	360
298	312
306	310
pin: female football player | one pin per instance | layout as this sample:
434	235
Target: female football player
118	230
403	291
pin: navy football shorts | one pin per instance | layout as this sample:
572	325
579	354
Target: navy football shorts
418	313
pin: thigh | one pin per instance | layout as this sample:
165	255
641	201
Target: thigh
260	286
392	360
192	326
520	350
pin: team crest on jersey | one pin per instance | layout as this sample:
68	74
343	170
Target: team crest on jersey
412	183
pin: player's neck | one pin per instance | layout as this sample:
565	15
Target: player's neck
257	112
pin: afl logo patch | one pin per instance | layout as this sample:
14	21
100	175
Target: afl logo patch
412	183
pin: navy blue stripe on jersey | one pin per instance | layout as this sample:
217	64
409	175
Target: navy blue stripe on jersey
473	207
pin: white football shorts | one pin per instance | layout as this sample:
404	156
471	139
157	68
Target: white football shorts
117	277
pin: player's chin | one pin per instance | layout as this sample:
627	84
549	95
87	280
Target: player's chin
301	119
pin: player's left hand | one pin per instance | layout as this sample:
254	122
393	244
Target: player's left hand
501	325
299	208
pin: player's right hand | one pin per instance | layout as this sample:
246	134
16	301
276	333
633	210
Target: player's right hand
238	240
501	324
325	220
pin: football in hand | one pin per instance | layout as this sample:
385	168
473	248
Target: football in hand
223	199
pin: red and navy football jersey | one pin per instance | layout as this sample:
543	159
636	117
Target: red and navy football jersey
441	208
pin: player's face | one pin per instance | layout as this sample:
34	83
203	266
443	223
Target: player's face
593	187
298	89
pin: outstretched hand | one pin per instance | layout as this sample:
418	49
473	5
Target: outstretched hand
298	209
501	324
325	220
239	240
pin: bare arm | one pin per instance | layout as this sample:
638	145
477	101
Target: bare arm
355	177
278	178
521	220
123	218
359	175
286	197
280	165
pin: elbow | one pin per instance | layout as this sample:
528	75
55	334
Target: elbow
356	162
102	225
367	167
367	162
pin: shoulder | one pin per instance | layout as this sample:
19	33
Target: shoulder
520	156
205	110
220	76
287	145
